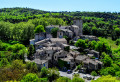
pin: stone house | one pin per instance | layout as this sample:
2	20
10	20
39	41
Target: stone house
64	32
40	44
60	54
92	64
41	63
74	54
69	60
79	59
95	53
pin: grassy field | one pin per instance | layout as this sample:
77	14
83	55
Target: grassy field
110	42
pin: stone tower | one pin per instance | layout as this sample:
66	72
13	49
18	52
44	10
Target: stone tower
79	22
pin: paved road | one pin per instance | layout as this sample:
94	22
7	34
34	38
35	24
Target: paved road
81	75
65	74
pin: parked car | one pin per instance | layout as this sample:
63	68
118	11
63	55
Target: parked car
75	73
89	78
69	71
85	76
64	69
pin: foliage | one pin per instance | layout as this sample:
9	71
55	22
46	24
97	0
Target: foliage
117	41
17	64
110	42
77	79
79	66
107	71
19	50
117	74
63	79
92	44
107	61
62	64
103	47
43	80
31	51
4	62
67	48
81	43
54	32
3	46
30	78
107	78
39	29
15	71
43	72
32	67
93	73
53	74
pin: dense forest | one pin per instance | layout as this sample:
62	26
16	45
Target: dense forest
18	26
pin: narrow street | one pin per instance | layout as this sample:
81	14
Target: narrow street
81	75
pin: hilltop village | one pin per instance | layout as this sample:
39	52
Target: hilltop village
57	52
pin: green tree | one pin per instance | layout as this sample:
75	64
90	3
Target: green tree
43	72
107	71
107	61
4	62
77	79
32	67
86	29
63	79
117	73
117	32
16	48
54	32
17	64
103	47
92	44
117	42
43	80
39	29
79	66
31	51
53	74
81	43
93	73
107	78
30	77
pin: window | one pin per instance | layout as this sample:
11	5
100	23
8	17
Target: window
48	54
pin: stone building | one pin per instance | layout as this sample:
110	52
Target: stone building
79	23
92	64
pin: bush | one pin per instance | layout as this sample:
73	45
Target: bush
81	43
63	79
32	67
79	66
117	41
77	79
54	32
93	73
4	62
39	29
43	80
30	77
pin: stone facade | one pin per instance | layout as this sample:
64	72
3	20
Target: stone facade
79	23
